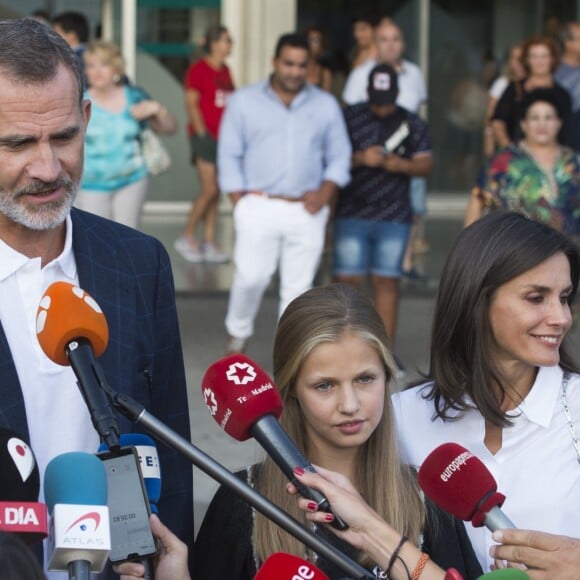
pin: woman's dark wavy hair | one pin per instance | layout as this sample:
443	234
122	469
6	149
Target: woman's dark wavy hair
486	255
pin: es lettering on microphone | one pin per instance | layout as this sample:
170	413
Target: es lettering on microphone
281	566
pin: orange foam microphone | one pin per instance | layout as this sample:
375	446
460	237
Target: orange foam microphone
72	330
66	313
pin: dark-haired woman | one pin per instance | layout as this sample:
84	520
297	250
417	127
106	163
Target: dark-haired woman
503	380
537	176
208	84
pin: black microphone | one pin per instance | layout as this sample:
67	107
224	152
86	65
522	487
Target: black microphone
138	413
72	330
20	512
244	402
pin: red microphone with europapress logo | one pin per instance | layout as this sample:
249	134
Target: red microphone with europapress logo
459	483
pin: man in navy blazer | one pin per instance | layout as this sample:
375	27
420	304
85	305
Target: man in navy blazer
42	126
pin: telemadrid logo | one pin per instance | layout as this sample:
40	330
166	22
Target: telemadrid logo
209	398
241	373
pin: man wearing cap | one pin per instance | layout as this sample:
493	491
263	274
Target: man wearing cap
412	94
373	214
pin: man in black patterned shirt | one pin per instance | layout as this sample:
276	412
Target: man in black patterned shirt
373	214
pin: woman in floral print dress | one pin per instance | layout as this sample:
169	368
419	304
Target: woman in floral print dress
537	176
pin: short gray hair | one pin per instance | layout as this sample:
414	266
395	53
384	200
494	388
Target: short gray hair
31	52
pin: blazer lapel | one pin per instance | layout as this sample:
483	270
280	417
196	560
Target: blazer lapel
101	275
12	411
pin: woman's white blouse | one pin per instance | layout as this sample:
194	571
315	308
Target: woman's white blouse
537	468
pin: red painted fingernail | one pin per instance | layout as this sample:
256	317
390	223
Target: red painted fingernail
329	517
312	506
299	471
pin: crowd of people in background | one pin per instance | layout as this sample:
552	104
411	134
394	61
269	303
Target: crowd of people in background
302	163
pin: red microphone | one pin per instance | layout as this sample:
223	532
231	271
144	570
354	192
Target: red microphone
72	330
459	483
244	402
283	566
20	511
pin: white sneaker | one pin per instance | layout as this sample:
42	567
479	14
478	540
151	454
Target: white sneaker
188	248
212	253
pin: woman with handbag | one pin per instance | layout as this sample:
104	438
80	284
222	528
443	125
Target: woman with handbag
208	84
115	177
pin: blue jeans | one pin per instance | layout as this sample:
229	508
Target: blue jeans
363	246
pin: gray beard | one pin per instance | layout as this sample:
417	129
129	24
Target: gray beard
48	217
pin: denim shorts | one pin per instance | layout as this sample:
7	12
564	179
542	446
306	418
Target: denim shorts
418	195
363	246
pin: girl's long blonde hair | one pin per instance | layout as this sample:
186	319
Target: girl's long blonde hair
322	315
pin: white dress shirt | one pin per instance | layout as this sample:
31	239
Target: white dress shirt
58	419
267	146
537	468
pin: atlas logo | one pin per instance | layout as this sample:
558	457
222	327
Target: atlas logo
241	373
210	401
84	520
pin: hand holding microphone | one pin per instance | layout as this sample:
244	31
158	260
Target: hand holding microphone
244	402
546	555
172	562
367	531
347	504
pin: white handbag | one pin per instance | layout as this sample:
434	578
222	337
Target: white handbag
156	156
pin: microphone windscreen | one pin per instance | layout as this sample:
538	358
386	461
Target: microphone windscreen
505	574
65	313
19	476
75	478
237	393
148	462
456	480
281	566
